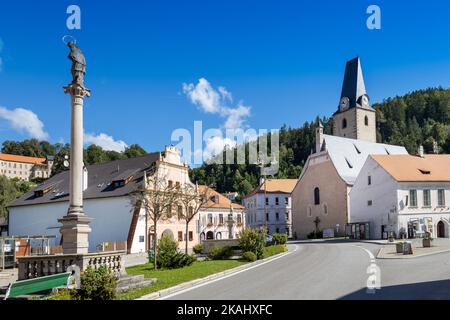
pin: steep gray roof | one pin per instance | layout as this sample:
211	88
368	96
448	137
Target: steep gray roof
353	86
100	177
349	155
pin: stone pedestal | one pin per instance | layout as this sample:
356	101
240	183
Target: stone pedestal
75	234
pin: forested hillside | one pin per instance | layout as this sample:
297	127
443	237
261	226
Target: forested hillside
420	117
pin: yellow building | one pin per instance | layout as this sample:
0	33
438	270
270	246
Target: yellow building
25	168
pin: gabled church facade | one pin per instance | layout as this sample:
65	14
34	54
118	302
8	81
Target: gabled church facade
320	200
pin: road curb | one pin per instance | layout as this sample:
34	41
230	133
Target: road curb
409	256
192	283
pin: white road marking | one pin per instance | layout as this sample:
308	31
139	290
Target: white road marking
227	276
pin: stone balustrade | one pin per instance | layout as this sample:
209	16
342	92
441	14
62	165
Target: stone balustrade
39	266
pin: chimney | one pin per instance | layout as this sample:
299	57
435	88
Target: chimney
319	136
421	153
85	178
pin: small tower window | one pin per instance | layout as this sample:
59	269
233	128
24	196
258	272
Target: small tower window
344	123
366	120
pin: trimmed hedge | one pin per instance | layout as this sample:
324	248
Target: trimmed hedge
280	238
273	250
220	253
249	256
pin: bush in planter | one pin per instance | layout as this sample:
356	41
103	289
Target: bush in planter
97	284
249	256
220	253
254	241
426	242
198	248
280	238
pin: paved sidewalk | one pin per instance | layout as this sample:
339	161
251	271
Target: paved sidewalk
8	276
389	251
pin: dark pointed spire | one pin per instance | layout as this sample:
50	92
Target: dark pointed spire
353	87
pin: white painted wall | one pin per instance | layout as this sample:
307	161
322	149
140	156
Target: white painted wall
256	216
382	193
111	219
216	227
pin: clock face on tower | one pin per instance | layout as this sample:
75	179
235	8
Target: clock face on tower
365	101
344	104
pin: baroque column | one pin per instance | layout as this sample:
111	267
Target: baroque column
75	225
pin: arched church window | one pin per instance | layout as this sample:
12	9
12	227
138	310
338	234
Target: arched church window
344	123
316	196
366	120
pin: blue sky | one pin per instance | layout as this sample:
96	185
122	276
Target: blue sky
281	60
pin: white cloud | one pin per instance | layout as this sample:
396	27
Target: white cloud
24	121
210	100
217	101
215	145
105	141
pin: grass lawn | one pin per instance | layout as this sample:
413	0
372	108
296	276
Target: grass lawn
170	278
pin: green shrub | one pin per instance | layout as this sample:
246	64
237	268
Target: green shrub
254	241
273	250
220	253
62	294
198	248
280	238
249	256
97	284
168	255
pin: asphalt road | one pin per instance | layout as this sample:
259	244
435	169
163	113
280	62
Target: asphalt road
331	270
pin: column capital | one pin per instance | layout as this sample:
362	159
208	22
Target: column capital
77	90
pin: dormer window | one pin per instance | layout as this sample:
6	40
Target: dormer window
40	192
123	179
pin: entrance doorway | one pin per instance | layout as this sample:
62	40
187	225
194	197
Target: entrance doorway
441	229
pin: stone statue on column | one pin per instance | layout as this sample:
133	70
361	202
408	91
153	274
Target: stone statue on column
75	224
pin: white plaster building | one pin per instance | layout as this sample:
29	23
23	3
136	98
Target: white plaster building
270	205
404	195
106	195
214	214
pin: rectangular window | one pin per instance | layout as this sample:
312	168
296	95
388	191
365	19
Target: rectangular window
441	198
287	216
267	201
277	216
180	210
210	218
413	198
277	201
369	180
267	216
191	236
369	203
286	201
221	218
177	185
141	239
239	219
180	236
426	198
170	183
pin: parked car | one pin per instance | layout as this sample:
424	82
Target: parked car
269	239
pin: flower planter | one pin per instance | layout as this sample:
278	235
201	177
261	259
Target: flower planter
399	247
426	243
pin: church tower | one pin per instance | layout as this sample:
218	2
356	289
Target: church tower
355	118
